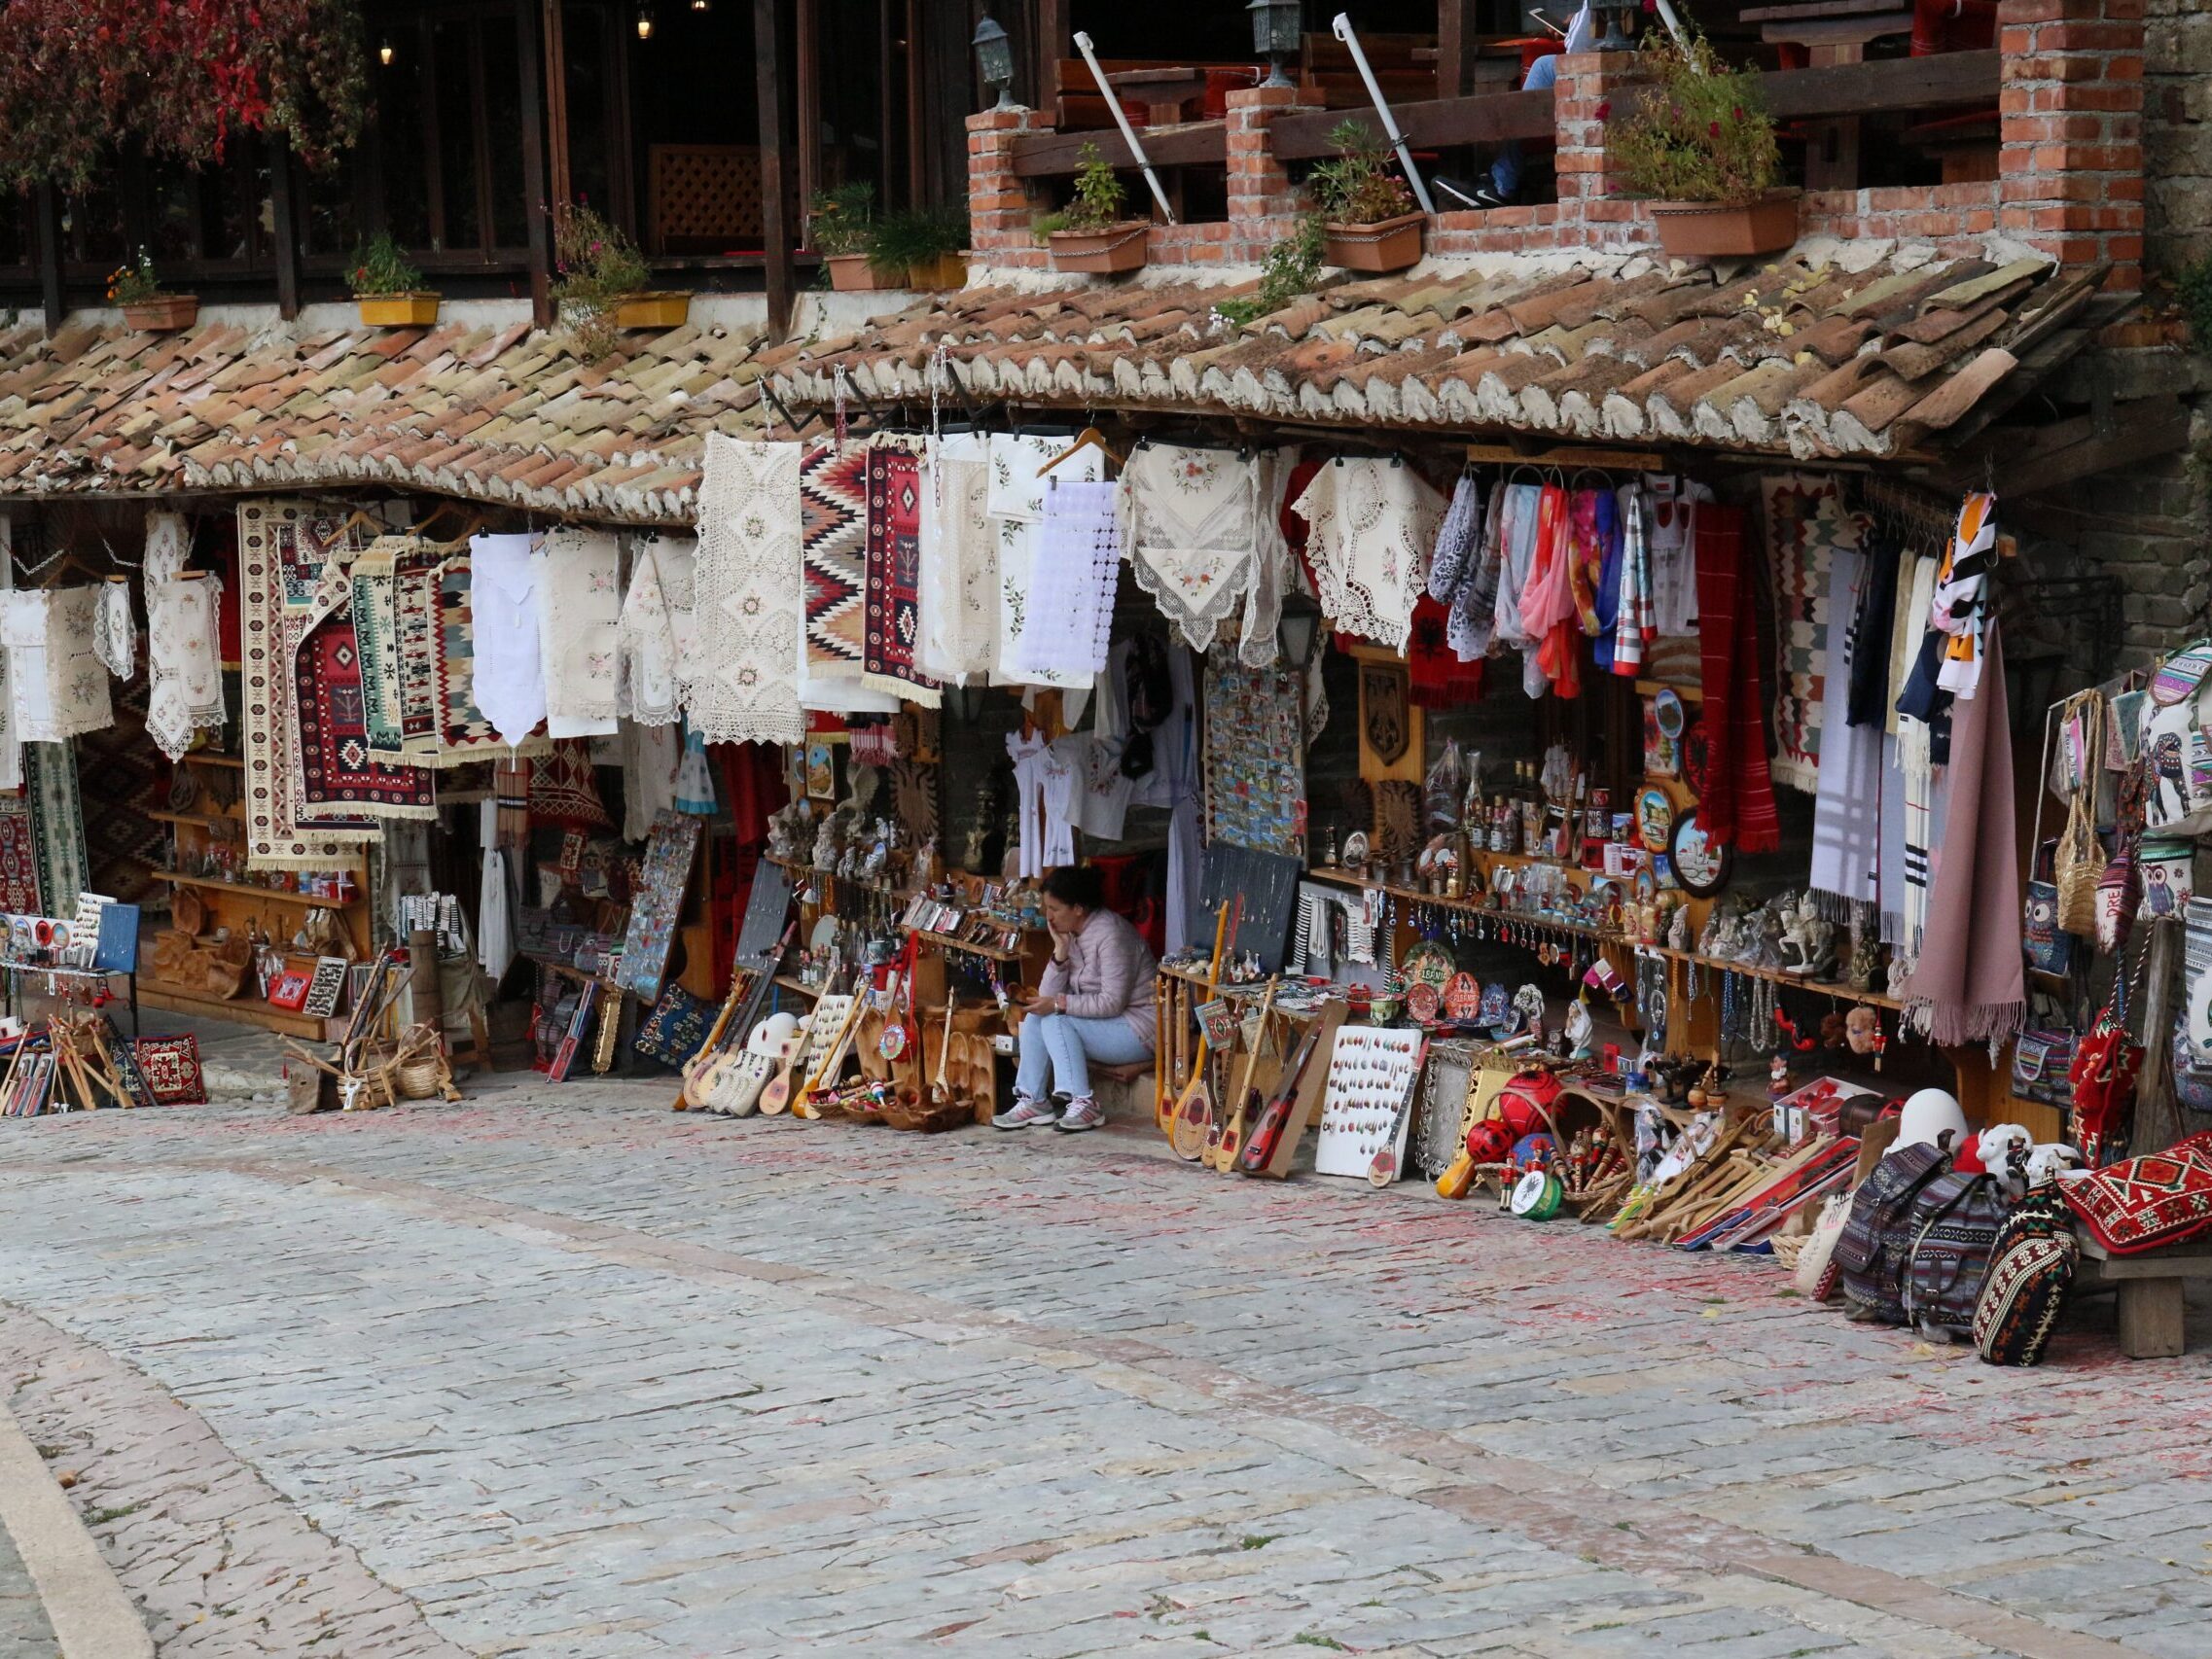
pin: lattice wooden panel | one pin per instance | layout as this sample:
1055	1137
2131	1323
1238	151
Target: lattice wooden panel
706	197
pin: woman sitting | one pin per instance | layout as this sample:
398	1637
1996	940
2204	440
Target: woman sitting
1093	1003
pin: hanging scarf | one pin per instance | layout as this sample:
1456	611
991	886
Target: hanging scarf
959	562
1548	603
1738	805
1636	621
1518	540
1459	542
1591	532
1872	633
1373	523
1959	606
1474	607
1803	518
1848	810
1969	984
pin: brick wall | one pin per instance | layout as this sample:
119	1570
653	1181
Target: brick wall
2070	163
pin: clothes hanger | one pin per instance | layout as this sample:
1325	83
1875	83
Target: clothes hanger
1089	438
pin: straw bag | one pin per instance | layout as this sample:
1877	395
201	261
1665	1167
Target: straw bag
2077	868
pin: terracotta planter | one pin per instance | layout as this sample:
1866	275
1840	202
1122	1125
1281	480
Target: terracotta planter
851	273
398	311
1116	248
1393	244
946	270
162	313
663	310
1707	230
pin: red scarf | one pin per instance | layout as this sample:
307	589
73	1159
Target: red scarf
1738	805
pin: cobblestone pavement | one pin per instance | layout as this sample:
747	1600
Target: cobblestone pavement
557	1372
24	1633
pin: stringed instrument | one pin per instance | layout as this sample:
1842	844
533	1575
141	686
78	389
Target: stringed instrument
1221	1157
829	1011
937	1094
1267	1129
1191	1122
745	993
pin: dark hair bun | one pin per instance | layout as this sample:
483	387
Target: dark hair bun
1078	885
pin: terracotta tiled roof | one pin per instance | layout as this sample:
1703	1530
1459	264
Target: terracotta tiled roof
1805	358
494	414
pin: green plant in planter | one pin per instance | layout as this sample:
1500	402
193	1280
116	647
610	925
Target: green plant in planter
598	268
1699	132
1099	201
133	282
378	268
1357	187
841	221
919	236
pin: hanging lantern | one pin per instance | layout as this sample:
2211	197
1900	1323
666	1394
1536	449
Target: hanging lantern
384	53
1275	29
645	23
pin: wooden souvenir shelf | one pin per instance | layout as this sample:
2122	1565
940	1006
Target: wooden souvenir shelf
239	906
1780	976
953	942
798	987
317	901
1474	906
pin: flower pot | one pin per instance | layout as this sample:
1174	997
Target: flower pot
1118	247
946	270
397	310
162	313
663	310
851	273
1710	230
1391	244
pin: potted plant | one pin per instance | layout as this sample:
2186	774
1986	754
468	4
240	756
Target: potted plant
920	248
602	288
145	307
841	224
1699	146
1369	218
1091	234
388	287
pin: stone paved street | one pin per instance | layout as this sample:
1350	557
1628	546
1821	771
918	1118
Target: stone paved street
557	1372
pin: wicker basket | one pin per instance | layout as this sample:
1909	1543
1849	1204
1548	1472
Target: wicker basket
420	1079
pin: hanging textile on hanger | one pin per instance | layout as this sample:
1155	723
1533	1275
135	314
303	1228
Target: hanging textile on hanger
1015	499
1373	523
1069	611
579	631
833	484
57	685
656	626
509	672
959	562
1805	517
1193	533
891	604
741	683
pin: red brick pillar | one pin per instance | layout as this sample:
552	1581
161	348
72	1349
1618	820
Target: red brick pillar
2070	167
1582	101
1000	206
1261	199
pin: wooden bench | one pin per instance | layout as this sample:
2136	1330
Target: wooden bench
1124	1091
2151	1288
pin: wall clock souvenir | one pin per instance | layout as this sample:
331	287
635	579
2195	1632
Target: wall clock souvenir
1700	869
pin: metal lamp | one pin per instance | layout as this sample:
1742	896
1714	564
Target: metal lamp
1620	22
1275	29
1295	633
645	23
994	59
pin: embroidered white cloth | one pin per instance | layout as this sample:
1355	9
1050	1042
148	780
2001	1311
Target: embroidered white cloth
1014	500
656	621
168	545
649	755
510	674
57	685
579	631
1070	603
1374	521
742	679
1848	807
959	562
1192	530
183	664
114	633
1257	643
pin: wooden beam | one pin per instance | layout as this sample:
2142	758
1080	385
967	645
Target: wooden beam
1436	123
530	66
2142	432
1883	83
46	208
807	23
1195	144
776	232
284	225
1052	42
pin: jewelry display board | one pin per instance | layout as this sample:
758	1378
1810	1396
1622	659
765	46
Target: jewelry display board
1371	1072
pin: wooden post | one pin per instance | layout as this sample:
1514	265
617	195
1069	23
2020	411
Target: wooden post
2158	1120
530	70
284	225
557	102
809	44
775	231
1455	46
1052	45
45	207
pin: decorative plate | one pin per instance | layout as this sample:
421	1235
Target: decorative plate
1355	853
1654	817
1701	869
1421	1000
1667	710
1429	963
1463	997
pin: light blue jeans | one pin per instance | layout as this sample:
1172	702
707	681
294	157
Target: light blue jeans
1056	1051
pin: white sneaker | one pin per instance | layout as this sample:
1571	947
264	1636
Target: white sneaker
1024	1113
1082	1114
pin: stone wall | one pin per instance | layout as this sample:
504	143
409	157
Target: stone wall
2177	132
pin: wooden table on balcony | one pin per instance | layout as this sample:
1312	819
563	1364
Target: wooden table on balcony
1831	32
